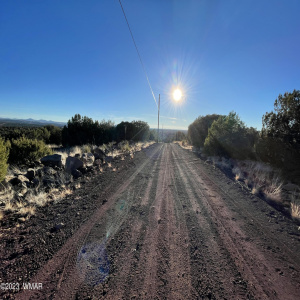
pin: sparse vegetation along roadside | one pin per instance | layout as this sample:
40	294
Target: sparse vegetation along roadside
262	180
26	190
262	162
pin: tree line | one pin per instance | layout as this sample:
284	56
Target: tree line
24	145
49	134
278	143
83	130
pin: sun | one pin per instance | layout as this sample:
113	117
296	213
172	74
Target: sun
177	95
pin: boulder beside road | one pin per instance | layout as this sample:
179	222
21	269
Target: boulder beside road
73	163
55	160
99	154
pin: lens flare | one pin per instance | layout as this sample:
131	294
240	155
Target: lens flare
93	263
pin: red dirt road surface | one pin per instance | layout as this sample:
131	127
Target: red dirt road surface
165	226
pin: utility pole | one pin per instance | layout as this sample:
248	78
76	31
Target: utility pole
158	119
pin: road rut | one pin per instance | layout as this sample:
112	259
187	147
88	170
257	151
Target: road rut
175	229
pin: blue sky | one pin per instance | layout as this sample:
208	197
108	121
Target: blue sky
59	58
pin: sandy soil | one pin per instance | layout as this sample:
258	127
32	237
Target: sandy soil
163	226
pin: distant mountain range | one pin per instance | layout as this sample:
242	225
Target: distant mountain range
28	122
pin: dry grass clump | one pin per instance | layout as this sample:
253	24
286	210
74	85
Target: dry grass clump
295	205
182	144
77	186
273	189
6	195
137	146
39	199
141	145
104	148
295	210
124	147
75	150
86	148
57	195
9	207
260	177
18	208
238	174
27	211
19	205
14	169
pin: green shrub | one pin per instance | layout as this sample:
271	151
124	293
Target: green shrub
198	130
24	150
228	136
55	135
279	144
280	154
284	122
4	151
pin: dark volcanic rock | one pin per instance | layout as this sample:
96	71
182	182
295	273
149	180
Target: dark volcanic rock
76	174
53	160
30	174
99	154
73	163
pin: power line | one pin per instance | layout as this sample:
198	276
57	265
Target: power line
137	50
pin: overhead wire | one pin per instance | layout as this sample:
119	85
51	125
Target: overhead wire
137	50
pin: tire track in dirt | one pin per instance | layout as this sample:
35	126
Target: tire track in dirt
163	259
261	228
132	196
254	264
127	261
212	269
170	232
63	264
230	235
149	252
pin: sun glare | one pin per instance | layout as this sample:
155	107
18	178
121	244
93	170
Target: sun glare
177	95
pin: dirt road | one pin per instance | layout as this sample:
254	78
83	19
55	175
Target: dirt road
172	227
